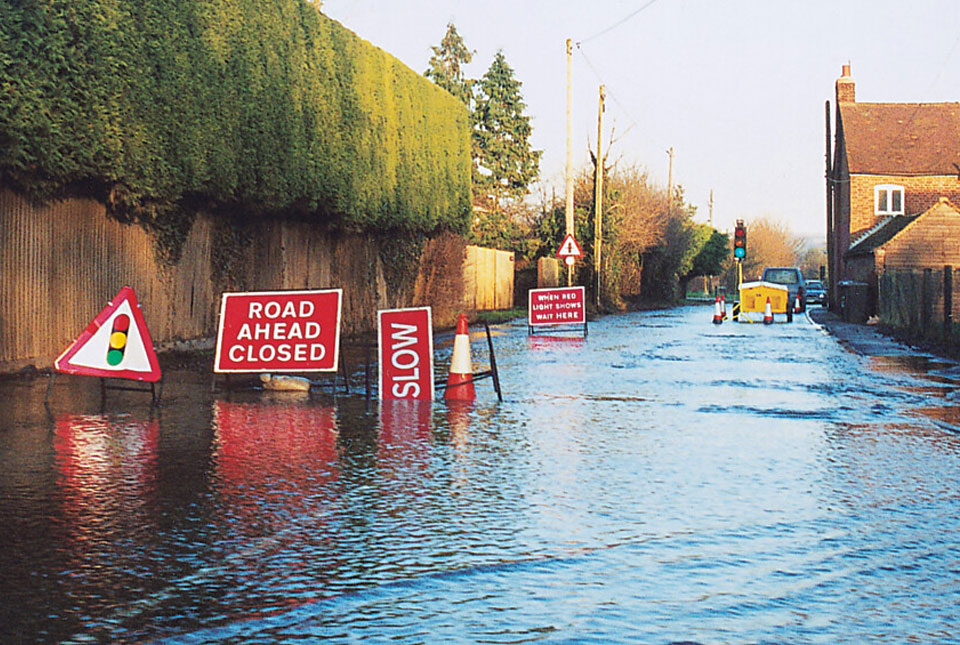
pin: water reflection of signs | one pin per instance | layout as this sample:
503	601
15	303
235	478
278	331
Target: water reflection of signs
406	432
269	452
559	343
108	470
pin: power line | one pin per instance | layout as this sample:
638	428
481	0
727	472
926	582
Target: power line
610	93
616	24
596	72
936	79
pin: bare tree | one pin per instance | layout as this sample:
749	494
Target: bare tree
812	259
769	243
643	206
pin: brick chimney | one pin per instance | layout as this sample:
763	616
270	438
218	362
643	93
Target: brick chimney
846	92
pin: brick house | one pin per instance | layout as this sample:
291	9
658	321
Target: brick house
930	240
890	161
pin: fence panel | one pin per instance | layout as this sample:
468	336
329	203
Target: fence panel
488	277
503	297
916	303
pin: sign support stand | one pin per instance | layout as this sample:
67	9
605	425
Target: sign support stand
156	393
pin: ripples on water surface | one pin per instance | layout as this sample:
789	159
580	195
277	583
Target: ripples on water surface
663	479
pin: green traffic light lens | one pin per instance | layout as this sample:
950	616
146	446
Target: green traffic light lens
114	356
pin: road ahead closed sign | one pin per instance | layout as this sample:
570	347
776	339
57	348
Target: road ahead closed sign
279	331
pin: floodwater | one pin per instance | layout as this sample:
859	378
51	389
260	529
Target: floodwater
661	480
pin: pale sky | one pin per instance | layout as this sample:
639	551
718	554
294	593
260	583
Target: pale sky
736	87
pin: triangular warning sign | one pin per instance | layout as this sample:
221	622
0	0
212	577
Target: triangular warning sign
115	345
569	248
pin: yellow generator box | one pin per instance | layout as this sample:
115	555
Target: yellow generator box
753	297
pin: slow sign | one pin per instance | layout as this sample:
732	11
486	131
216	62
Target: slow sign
279	331
405	351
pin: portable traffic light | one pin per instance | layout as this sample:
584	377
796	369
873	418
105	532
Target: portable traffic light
740	240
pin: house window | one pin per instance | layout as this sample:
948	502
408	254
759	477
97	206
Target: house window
888	199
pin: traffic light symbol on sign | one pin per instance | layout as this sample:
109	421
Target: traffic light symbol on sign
740	241
118	339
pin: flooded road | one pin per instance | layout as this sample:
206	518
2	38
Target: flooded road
663	479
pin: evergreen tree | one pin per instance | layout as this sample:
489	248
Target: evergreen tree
712	250
503	162
446	65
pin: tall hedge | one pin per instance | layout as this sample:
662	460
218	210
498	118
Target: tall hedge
252	106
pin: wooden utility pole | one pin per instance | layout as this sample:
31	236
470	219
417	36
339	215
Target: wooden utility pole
598	196
707	281
670	183
832	295
569	171
711	208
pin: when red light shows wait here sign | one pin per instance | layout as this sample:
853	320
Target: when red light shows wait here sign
560	306
279	331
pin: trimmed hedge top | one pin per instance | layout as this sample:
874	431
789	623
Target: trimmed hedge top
258	107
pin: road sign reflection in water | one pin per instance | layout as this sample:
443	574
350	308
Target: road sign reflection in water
808	504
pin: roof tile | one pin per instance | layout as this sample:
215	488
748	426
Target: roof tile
902	138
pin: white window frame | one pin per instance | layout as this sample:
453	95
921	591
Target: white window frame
888	190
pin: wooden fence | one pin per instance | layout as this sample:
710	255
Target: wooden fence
60	264
920	303
488	276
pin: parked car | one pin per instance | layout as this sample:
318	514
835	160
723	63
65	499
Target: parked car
815	292
792	279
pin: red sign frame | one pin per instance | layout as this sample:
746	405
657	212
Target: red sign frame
279	331
557	306
405	353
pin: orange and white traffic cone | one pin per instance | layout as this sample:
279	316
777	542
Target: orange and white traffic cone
717	314
723	306
460	380
767	313
797	308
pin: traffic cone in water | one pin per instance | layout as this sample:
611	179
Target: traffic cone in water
767	313
460	380
797	308
717	314
723	307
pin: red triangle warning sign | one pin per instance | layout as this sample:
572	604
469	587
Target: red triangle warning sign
115	345
569	248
